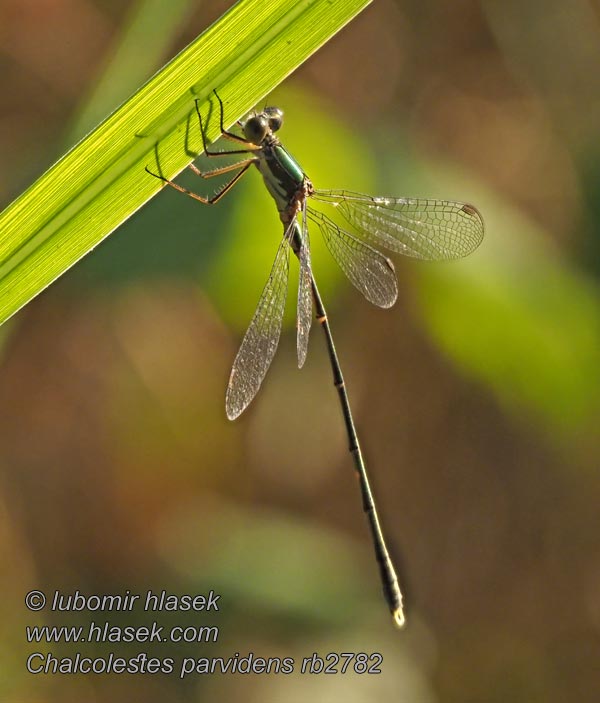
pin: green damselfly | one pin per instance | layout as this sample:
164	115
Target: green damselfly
420	228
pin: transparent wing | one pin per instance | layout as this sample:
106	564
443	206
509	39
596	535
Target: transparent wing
369	270
262	337
305	309
417	227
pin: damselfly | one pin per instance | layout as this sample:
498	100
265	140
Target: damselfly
421	228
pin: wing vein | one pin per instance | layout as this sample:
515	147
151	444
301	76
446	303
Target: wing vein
418	227
260	342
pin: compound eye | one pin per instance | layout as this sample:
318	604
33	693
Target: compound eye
275	118
256	128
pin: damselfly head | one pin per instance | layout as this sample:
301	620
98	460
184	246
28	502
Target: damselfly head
259	126
275	117
256	128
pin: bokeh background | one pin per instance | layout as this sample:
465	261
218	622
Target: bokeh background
477	397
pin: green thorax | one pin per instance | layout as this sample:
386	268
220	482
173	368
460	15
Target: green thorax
282	174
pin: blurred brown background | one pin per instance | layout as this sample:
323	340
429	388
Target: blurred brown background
477	396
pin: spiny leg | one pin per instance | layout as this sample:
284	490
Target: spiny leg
215	198
243	165
224	169
224	133
230	135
